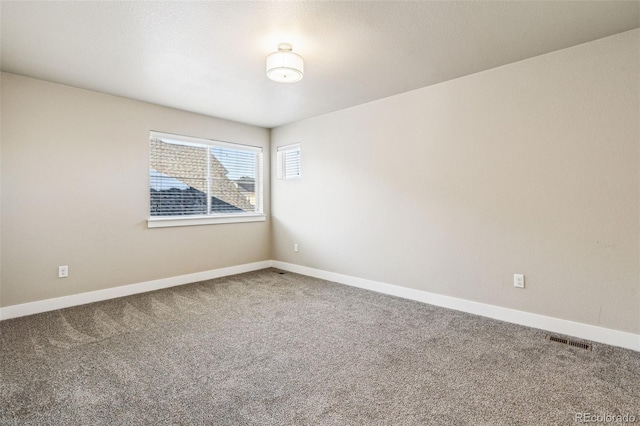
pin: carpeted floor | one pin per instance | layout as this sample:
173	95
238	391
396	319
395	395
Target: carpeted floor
269	349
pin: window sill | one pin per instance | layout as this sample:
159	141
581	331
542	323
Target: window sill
164	222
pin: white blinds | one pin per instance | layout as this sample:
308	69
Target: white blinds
288	161
190	176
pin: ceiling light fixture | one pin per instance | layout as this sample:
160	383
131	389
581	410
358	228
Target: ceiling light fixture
284	66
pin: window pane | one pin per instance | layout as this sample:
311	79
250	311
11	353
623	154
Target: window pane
178	176
233	180
292	164
288	161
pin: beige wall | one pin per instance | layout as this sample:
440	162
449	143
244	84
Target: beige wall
75	192
529	168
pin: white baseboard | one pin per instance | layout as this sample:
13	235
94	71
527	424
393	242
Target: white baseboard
556	325
40	306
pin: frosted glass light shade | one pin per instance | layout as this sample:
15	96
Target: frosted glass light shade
284	66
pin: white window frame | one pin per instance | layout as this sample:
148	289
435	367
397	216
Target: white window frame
215	218
281	162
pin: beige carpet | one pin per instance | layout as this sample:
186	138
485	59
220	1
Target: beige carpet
269	349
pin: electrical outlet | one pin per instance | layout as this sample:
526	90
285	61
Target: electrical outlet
295	247
63	271
518	280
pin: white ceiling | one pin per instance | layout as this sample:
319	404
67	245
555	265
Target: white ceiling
209	57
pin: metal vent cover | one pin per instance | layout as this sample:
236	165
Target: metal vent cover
569	342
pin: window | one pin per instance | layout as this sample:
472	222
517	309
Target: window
196	181
289	161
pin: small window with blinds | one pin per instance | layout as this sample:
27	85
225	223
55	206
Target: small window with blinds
196	181
289	161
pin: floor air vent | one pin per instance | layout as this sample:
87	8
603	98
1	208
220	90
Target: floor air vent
569	342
